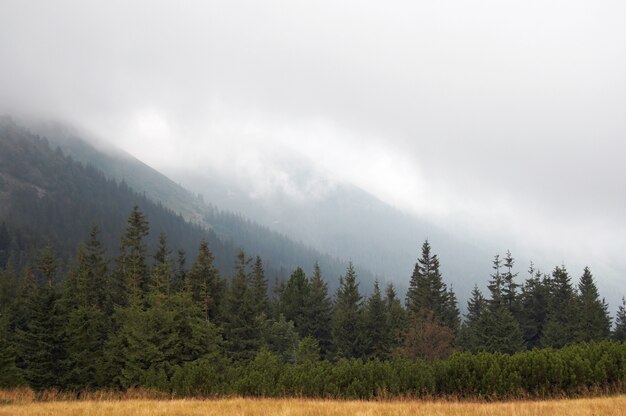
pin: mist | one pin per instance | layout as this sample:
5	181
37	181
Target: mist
501	122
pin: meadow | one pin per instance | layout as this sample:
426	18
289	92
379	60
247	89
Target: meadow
23	406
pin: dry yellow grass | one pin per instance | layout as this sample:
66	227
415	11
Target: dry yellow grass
614	406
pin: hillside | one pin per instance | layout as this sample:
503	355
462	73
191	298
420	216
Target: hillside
48	197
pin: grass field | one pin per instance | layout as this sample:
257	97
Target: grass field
614	406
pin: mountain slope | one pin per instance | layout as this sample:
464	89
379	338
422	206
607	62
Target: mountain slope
47	197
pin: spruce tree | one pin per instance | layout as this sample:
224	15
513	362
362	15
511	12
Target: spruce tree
319	312
241	329
498	329
533	302
509	286
294	299
563	311
377	326
347	325
258	287
397	317
204	284
470	337
619	332
131	275
594	323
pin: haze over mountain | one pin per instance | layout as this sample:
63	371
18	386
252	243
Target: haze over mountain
496	125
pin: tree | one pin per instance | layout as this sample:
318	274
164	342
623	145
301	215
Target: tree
294	299
319	313
509	286
241	329
470	337
595	322
533	302
397	317
619	332
258	287
377	326
347	325
131	275
281	338
426	337
498	330
563	312
428	292
204	284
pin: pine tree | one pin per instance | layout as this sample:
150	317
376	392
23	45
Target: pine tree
563	311
426	288
595	323
498	329
204	283
10	374
619	332
509	286
281	338
241	329
41	346
376	326
258	287
347	325
397	317
319	312
131	275
534	299
294	299
470	337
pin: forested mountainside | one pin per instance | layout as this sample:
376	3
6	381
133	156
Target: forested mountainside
49	198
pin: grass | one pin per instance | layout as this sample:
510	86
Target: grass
25	405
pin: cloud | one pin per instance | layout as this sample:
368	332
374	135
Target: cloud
491	118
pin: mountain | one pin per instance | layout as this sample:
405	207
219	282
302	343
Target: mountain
53	188
342	219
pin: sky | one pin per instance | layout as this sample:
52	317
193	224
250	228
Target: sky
499	119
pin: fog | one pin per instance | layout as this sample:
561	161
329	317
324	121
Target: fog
499	120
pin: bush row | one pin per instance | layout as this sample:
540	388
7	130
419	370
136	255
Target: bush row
575	370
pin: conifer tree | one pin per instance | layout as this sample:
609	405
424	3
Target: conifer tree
294	299
509	286
281	338
397	317
563	311
258	287
347	325
533	303
131	275
498	329
377	326
204	284
241	329
470	337
595	323
619	332
319	312
41	346
10	374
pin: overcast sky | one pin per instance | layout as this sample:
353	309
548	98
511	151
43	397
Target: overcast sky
504	119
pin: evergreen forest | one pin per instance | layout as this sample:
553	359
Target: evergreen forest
153	319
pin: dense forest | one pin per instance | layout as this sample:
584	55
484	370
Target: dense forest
47	197
147	319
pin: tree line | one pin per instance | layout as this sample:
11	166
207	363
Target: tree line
150	320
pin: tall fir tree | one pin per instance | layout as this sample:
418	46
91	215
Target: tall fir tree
563	312
258	287
293	301
595	322
131	275
203	282
347	325
397	317
319	312
533	303
241	329
377	329
510	286
619	332
498	329
470	337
